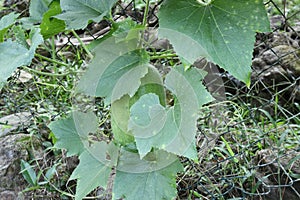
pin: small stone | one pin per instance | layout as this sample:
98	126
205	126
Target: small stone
11	153
7	195
12	122
24	76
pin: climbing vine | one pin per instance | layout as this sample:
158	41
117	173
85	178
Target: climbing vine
149	133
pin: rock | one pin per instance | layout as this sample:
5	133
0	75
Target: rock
7	195
276	71
271	168
11	153
284	55
24	76
12	122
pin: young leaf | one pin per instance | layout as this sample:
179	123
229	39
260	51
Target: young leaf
172	129
131	29
77	13
72	133
120	109
114	64
94	168
149	125
13	55
28	173
51	26
223	31
154	177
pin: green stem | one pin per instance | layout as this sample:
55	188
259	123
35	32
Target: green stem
146	13
54	85
51	60
162	56
53	51
44	73
144	23
82	44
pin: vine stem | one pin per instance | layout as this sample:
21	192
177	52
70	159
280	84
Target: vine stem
146	13
82	44
163	56
44	73
51	60
144	23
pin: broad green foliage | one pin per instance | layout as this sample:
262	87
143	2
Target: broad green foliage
72	133
14	54
223	31
154	177
77	13
154	126
114	62
94	160
120	109
149	134
37	8
51	26
5	22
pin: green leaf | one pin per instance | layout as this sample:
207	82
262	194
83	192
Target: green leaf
51	26
172	129
72	133
131	27
147	119
120	109
28	173
78	13
37	9
94	168
151	83
119	120
114	64
5	22
50	173
13	55
190	95
154	177
20	36
223	31
192	77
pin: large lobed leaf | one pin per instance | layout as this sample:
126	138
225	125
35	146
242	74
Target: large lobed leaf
95	168
77	13
223	31
153	177
115	63
14	55
72	132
